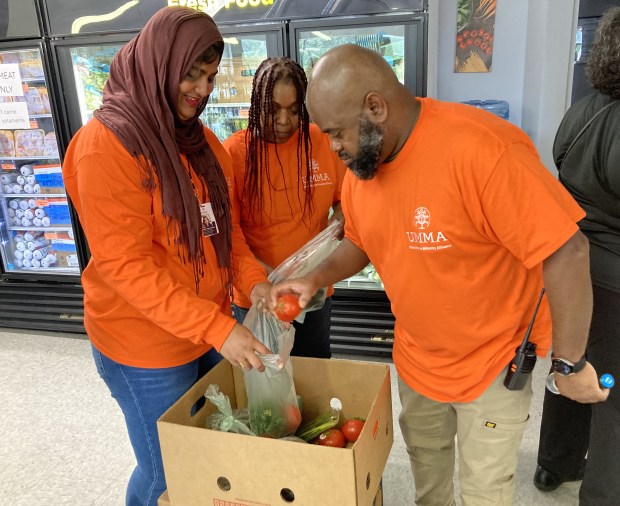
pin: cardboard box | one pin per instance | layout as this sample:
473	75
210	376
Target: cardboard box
164	500
204	466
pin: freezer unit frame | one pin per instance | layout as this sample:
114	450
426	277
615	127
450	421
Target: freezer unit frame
415	33
32	300
59	127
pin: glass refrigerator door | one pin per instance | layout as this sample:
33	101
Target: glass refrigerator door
91	68
227	110
389	40
35	223
228	107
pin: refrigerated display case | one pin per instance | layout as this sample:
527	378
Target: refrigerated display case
362	321
39	260
84	64
399	38
36	229
245	48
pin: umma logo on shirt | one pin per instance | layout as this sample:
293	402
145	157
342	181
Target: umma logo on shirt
317	178
423	238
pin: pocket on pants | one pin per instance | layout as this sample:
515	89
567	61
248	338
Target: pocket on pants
488	461
504	427
498	443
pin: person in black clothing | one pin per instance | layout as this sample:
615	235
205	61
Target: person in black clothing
590	171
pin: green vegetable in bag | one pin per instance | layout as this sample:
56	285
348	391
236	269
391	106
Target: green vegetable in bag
323	422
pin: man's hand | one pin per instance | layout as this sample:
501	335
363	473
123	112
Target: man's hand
241	347
582	386
304	288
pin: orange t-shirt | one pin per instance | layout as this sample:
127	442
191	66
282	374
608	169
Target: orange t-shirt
140	302
280	230
457	227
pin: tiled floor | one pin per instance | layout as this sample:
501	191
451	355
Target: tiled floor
63	441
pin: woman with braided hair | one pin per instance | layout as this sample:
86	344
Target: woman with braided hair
288	180
153	191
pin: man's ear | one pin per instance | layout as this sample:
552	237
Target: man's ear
375	107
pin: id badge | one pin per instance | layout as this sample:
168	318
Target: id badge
209	225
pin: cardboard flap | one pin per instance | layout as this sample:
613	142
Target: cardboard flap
373	447
344	379
181	412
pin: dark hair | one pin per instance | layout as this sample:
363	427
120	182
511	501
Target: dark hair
211	54
603	67
270	72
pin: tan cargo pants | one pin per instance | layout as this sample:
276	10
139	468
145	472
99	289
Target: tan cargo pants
488	433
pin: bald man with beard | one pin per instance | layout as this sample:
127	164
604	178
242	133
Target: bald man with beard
464	225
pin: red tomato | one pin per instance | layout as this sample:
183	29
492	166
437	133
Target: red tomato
477	41
469	42
462	45
351	429
486	36
489	50
332	437
287	307
466	34
293	418
459	38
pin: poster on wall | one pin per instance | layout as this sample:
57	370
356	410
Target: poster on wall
475	28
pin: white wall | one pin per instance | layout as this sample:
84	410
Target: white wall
548	72
532	63
505	81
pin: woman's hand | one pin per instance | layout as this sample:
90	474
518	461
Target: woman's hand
241	347
259	295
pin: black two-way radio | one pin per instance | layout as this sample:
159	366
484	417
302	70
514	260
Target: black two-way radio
524	361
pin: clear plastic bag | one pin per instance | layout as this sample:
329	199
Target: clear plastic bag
321	423
306	258
272	400
228	419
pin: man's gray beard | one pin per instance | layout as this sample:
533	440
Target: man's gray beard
366	163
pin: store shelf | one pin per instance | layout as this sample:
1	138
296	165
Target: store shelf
33	79
42	229
27	158
51	270
360	282
245	105
37	116
32	195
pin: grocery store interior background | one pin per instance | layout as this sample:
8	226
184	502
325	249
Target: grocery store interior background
63	436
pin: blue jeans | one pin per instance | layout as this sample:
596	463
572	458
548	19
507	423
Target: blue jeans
311	336
144	395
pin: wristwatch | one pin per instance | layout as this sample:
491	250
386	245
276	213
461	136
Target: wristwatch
565	367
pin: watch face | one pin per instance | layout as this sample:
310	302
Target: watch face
562	367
